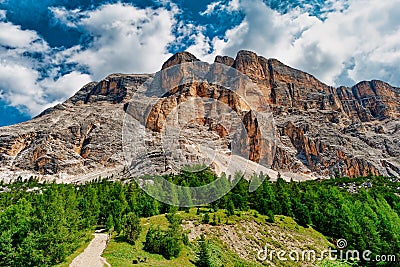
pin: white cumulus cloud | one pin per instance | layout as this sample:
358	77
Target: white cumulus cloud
124	39
66	85
21	82
219	6
3	14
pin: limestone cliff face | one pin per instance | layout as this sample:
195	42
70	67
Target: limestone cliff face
79	137
320	130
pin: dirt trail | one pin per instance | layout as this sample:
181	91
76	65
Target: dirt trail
91	257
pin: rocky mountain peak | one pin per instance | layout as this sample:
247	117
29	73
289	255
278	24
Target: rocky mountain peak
229	61
179	58
320	130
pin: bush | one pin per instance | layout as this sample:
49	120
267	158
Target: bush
206	218
167	243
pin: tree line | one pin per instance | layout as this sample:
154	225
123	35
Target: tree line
42	223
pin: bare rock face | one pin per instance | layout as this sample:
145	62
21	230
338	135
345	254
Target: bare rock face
82	136
320	130
179	58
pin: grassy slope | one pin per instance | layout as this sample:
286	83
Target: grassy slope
242	234
119	253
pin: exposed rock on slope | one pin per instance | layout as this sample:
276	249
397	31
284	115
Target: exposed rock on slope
248	237
81	136
320	130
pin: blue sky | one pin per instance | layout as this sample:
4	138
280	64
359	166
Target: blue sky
49	49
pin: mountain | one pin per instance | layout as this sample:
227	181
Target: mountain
318	130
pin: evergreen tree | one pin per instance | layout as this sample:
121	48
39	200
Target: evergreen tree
7	250
167	243
131	227
240	195
271	216
148	206
171	246
154	239
117	224
204	254
214	220
185	196
230	209
110	223
174	196
206	218
89	205
301	213
283	198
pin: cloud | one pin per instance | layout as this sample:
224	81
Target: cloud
211	8
13	37
348	42
220	6
28	78
120	38
123	38
18	77
360	36
64	16
66	85
3	14
20	87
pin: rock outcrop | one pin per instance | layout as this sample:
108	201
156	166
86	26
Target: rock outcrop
320	130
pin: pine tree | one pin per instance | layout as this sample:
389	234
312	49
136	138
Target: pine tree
167	243
185	197
214	221
117	224
154	239
204	255
230	209
301	213
131	227
206	218
148	206
283	198
240	195
174	197
222	186
171	246
110	223
271	216
7	251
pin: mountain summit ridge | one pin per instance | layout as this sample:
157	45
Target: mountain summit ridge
320	130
